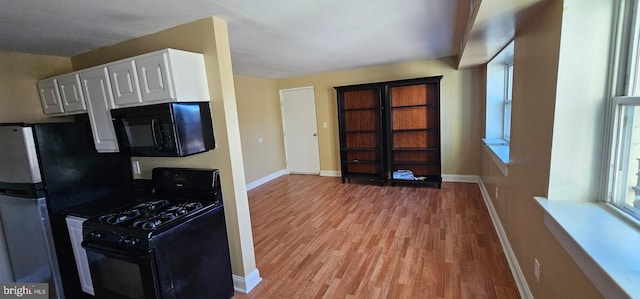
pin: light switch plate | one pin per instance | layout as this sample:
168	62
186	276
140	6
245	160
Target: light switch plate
136	167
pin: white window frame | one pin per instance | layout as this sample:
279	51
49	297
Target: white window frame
508	99
620	174
625	88
498	107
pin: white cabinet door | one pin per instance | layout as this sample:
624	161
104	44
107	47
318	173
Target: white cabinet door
97	91
154	74
71	93
124	83
50	96
74	225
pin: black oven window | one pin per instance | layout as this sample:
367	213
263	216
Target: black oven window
121	277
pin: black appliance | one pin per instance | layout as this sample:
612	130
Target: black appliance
45	169
171	246
175	129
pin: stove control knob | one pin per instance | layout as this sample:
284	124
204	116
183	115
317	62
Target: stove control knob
95	235
128	241
133	241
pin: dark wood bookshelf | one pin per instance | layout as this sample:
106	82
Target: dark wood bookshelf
414	131
390	126
361	125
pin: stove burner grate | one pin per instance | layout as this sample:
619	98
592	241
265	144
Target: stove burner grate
122	216
132	212
167	215
153	222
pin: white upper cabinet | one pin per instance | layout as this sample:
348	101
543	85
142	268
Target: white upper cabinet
124	84
97	91
167	75
50	96
62	95
172	76
153	72
71	93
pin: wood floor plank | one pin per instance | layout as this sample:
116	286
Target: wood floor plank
318	238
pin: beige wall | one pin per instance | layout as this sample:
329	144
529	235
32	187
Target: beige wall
208	36
536	64
461	100
259	116
582	77
19	73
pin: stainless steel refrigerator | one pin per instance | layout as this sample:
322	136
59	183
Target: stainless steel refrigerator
45	169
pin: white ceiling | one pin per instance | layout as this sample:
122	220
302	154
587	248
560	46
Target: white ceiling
275	39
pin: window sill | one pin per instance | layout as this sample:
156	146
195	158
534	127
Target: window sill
604	244
498	150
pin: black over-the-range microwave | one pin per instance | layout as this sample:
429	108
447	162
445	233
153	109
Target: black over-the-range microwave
174	129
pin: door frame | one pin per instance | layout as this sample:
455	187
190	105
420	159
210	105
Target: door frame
315	114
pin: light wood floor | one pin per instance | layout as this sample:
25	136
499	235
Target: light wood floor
318	238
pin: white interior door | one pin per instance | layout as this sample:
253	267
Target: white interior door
300	130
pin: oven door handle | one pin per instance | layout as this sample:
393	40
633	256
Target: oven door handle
133	256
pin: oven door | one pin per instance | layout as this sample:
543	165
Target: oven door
117	274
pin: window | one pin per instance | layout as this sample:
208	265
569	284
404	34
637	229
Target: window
498	108
624	172
508	92
626	178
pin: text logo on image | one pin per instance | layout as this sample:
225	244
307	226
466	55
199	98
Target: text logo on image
24	290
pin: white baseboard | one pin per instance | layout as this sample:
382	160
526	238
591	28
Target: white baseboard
266	179
333	173
460	178
518	276
247	283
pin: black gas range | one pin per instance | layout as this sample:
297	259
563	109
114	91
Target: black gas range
136	226
173	245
